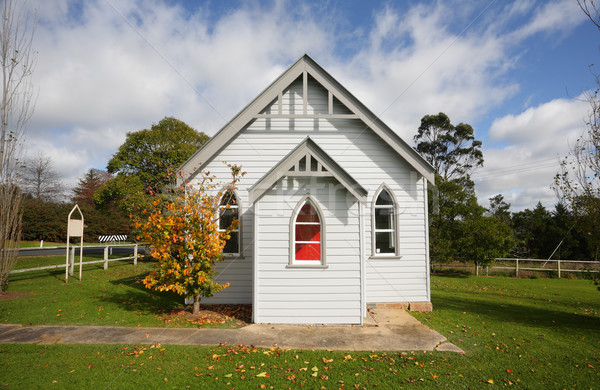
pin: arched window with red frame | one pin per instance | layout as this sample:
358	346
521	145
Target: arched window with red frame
308	235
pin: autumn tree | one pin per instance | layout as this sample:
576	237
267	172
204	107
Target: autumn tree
182	229
92	180
17	61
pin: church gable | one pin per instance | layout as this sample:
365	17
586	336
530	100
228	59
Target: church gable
319	101
307	160
303	93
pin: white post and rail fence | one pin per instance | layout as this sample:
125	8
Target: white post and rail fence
523	266
69	266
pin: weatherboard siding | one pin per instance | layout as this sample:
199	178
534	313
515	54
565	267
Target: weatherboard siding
261	145
237	271
313	295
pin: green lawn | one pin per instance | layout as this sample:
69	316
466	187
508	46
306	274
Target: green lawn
540	334
112	297
36	244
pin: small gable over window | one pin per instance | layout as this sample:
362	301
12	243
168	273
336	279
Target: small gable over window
310	164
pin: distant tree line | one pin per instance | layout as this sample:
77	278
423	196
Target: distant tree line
461	229
144	164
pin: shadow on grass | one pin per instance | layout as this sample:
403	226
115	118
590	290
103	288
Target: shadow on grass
533	315
139	299
452	273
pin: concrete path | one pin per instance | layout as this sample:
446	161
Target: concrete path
384	330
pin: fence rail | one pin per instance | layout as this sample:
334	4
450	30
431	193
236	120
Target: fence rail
71	265
520	265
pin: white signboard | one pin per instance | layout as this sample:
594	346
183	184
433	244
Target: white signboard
74	229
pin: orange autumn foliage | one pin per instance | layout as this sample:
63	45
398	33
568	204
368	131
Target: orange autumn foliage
182	231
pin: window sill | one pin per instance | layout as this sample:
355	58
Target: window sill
233	256
385	257
307	266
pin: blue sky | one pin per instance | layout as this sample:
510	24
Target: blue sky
516	71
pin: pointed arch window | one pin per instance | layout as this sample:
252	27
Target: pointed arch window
229	209
385	228
307	235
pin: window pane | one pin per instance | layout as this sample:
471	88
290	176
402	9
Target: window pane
384	242
384	218
314	164
308	214
308	233
227	216
232	245
384	199
308	251
302	164
228	198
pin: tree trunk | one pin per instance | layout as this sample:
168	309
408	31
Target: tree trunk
196	307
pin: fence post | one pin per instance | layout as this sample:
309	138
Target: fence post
135	254
72	261
517	269
558	265
106	257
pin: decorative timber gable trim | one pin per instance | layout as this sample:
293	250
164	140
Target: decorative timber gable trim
307	159
304	68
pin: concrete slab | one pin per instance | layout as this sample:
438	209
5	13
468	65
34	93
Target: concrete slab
8	327
386	329
449	347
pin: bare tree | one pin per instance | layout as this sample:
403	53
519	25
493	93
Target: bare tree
17	60
40	180
578	180
591	9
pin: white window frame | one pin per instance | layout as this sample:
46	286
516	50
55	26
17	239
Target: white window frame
238	207
293	263
394	231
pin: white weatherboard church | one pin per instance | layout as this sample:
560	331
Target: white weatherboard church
332	210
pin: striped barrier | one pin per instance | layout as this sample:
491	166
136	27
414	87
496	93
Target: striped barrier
112	238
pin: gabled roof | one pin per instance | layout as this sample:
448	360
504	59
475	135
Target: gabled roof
307	160
305	66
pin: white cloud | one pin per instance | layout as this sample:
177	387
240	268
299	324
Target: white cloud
552	17
535	140
106	68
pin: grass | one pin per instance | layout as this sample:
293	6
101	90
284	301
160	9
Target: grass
36	244
40	261
525	333
113	297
